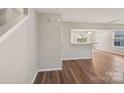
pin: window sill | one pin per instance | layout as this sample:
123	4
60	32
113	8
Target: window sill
118	47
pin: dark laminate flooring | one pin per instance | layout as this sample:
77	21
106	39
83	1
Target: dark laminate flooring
104	68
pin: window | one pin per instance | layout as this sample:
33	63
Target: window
80	36
119	38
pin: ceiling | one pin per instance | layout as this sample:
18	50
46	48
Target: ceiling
88	15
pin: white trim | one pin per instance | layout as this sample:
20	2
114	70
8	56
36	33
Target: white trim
57	68
42	70
76	58
8	33
50	69
118	47
96	29
110	51
34	77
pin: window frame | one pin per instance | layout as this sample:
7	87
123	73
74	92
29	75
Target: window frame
116	39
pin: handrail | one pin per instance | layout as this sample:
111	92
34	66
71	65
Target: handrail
9	28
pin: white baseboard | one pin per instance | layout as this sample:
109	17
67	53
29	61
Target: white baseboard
50	69
34	77
110	51
76	58
42	70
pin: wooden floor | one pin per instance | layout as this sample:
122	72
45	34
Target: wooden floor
104	68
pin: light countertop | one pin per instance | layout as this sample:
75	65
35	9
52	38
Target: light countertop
84	43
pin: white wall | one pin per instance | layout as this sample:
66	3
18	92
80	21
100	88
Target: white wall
50	41
18	53
105	42
3	17
27	50
70	51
